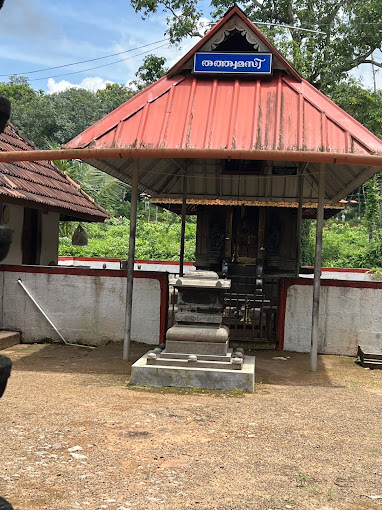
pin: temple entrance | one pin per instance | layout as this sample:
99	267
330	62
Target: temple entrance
253	247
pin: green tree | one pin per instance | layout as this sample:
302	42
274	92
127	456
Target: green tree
112	194
373	207
362	104
347	32
59	117
113	96
70	112
150	71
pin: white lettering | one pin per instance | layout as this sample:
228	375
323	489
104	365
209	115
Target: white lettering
258	62
235	64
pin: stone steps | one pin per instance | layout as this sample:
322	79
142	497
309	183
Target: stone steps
8	339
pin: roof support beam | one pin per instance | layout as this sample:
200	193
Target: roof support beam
130	261
370	160
183	228
317	270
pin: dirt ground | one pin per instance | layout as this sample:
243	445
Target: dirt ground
75	435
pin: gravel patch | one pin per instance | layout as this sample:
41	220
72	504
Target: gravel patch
75	435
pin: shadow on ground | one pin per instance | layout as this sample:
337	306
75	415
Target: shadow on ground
272	367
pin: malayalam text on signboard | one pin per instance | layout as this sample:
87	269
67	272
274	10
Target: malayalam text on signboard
239	63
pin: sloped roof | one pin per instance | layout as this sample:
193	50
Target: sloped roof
184	111
226	113
42	184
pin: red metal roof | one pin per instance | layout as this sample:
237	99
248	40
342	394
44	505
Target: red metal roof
278	113
195	118
41	184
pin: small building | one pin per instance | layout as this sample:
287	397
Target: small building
234	134
34	197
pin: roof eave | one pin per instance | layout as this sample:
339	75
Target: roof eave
64	212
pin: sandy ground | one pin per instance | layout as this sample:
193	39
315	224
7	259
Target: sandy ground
74	435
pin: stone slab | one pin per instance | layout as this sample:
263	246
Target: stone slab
212	348
205	284
198	333
184	377
8	339
226	365
206	357
198	317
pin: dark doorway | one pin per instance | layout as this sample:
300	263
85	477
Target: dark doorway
31	240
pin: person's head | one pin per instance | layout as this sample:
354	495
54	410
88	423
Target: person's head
5	372
4	504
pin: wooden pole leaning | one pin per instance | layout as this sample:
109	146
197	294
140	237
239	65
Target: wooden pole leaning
317	270
130	262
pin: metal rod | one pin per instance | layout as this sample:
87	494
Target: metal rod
19	281
317	271
183	228
130	261
299	223
166	153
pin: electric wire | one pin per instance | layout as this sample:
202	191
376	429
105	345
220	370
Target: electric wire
98	67
89	60
152	49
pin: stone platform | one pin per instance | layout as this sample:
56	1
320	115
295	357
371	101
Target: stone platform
145	374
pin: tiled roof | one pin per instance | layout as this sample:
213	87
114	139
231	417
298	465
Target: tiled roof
41	184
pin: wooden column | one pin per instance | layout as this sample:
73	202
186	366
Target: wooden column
183	228
130	262
317	269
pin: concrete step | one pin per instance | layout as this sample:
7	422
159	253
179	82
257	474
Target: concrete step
8	338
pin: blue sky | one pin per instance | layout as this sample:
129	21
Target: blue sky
36	34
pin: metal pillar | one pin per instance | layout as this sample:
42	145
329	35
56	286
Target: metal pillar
130	262
183	228
299	222
317	269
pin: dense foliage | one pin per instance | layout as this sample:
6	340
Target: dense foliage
154	241
57	118
343	245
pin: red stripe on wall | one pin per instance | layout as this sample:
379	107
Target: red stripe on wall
154	262
339	269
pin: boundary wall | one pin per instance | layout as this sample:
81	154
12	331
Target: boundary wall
350	314
86	305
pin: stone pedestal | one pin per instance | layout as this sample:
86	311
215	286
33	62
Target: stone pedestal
199	316
197	353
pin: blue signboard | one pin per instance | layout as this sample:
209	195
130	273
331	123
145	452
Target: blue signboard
233	63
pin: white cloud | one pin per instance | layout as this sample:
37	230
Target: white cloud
91	84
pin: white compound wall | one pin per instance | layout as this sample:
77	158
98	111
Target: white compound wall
350	314
86	306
